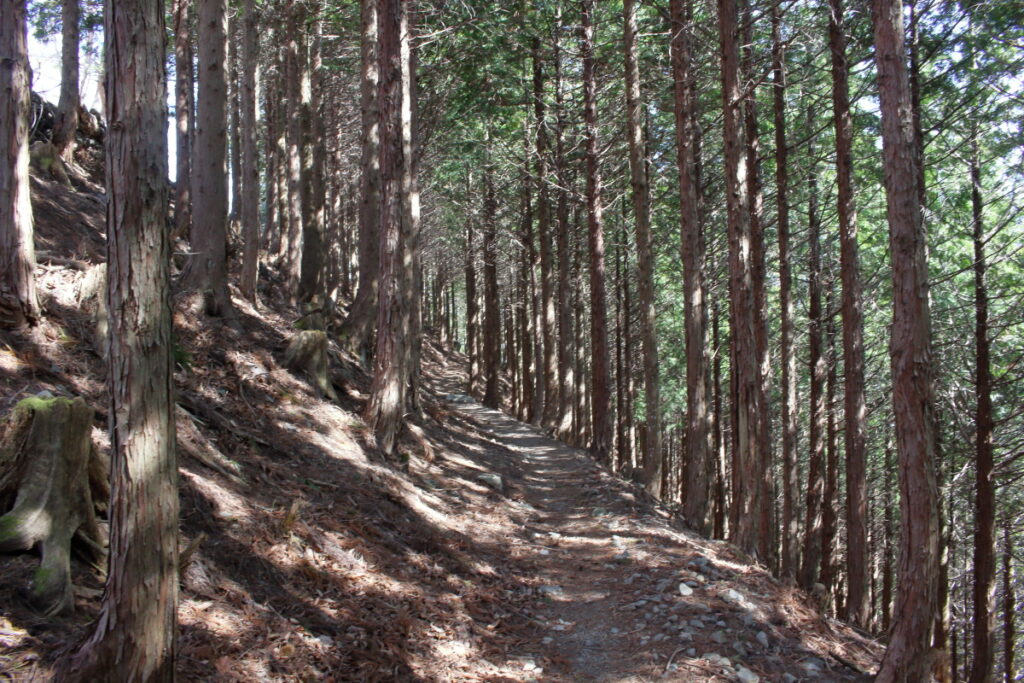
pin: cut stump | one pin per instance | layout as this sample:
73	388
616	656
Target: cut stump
47	462
307	352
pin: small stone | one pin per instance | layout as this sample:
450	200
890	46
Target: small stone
789	678
658	637
547	640
690	652
762	638
733	597
721	623
696	623
685	590
551	591
813	665
746	675
493	480
718	637
614	630
740	648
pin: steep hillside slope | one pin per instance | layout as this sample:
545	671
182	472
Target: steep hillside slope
489	552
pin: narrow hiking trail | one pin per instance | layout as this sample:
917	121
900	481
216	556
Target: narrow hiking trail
622	592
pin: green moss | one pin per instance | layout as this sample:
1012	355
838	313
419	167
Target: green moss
39	404
9	525
42	577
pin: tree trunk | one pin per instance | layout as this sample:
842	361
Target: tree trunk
984	518
234	120
1009	604
908	656
66	125
747	474
472	311
789	524
547	268
645	258
387	402
816	458
828	503
183	116
492	325
250	212
293	140
18	302
311	279
358	326
134	636
600	402
855	410
566	335
698	460
207	268
887	532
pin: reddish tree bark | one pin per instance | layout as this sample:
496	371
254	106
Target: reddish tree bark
18	301
134	636
600	395
184	117
66	125
908	656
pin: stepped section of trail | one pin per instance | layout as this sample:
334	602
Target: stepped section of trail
616	589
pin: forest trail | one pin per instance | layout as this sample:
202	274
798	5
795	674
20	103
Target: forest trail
624	593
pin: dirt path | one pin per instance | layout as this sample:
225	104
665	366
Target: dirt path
623	593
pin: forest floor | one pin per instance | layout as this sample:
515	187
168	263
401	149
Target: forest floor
311	557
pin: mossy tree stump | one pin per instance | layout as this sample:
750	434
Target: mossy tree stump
307	352
49	467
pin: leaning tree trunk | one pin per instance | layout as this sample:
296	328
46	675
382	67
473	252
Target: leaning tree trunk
47	455
135	634
18	302
908	655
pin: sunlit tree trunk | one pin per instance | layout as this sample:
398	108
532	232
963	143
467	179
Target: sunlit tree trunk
908	655
18	301
566	335
747	464
133	638
207	269
66	125
184	118
250	210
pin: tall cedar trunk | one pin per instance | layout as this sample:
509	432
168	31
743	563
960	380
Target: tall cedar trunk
789	526
18	301
698	461
183	116
718	443
547	261
816	435
272	215
620	384
600	399
135	633
311	281
412	281
887	534
362	315
234	119
386	405
745	381
765	481
472	311
855	410
580	417
566	336
526	336
908	656
207	269
250	212
645	257
627	453
984	519
492	326
66	125
293	141
828	501
1009	603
